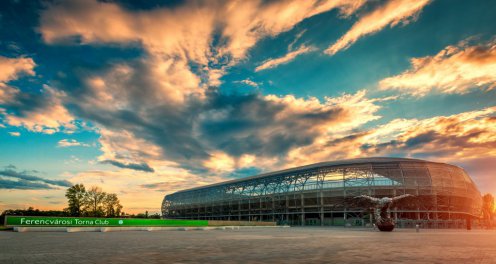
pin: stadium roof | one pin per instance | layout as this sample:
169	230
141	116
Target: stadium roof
313	166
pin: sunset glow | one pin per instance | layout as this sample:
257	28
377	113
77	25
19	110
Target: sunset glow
145	99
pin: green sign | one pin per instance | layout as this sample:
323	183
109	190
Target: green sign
84	221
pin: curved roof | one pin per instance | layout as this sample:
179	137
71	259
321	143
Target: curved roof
318	165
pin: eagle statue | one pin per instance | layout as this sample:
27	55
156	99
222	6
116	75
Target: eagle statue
381	206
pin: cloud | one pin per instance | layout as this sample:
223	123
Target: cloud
455	69
10	178
466	139
248	21
463	136
457	138
163	112
213	35
164	186
138	190
23	185
272	63
260	131
179	182
15	134
125	150
152	110
245	172
155	111
64	143
220	162
460	138
162	30
13	68
392	13
296	39
269	125
138	126
165	126
132	166
248	82
40	112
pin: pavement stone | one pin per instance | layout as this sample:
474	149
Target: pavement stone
268	245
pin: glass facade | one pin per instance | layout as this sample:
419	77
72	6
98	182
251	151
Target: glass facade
319	194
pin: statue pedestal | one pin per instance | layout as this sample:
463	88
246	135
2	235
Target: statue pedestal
386	227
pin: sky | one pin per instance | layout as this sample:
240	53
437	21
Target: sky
145	98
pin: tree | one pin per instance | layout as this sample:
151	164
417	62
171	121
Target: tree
93	201
112	205
154	216
75	198
31	212
488	208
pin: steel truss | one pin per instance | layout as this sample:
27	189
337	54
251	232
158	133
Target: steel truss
318	194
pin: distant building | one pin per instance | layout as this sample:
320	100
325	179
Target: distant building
319	194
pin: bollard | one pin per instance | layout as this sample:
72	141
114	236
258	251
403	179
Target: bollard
417	227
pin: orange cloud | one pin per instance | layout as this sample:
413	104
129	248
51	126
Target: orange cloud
65	143
350	111
392	13
50	117
248	82
272	124
460	137
456	69
463	136
220	162
184	33
248	21
297	124
467	139
166	80
127	148
12	68
272	63
15	134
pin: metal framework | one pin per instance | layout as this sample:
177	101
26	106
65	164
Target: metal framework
317	194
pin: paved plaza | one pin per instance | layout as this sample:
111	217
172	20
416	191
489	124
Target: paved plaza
257	245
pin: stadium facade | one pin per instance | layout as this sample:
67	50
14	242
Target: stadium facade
319	194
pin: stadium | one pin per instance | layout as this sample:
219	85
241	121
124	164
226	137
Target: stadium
320	194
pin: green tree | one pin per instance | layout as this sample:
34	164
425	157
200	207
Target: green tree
111	205
75	199
93	202
154	216
31	212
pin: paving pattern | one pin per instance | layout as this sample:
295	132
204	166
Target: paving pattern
258	245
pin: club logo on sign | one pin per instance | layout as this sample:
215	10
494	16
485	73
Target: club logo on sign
121	222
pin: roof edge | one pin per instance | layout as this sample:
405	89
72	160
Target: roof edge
315	165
